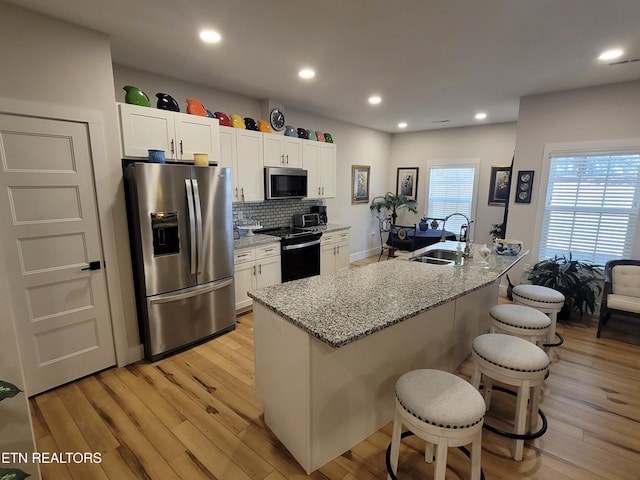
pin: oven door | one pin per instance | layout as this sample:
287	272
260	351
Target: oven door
300	258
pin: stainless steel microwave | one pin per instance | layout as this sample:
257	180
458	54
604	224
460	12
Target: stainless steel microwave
284	183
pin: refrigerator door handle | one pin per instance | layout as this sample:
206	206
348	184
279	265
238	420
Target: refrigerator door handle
192	224
174	297
199	238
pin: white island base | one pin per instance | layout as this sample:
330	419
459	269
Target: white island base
321	401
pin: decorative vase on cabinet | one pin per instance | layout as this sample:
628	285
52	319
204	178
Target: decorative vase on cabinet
135	96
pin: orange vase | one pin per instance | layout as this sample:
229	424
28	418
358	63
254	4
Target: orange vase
194	107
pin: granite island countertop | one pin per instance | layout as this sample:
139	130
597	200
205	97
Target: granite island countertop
341	307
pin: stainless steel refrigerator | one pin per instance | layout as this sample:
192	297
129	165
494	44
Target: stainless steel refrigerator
181	232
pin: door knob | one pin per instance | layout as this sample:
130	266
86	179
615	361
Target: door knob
96	265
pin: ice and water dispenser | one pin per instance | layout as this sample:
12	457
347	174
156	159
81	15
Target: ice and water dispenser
164	226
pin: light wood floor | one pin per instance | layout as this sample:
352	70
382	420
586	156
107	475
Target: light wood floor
195	416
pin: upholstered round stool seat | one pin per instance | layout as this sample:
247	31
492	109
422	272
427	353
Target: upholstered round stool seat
440	398
442	409
520	320
516	362
537	294
544	299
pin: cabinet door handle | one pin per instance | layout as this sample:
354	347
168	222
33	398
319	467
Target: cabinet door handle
287	159
173	150
254	270
282	161
181	152
242	193
319	192
236	192
323	190
260	269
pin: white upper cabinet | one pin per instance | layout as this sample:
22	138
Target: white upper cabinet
319	159
282	151
180	135
241	150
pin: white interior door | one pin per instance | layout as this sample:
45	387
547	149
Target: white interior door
49	234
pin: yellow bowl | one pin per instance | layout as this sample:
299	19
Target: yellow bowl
201	159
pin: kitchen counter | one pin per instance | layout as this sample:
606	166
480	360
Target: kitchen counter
345	306
261	239
255	241
329	349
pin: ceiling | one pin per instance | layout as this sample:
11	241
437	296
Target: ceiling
435	63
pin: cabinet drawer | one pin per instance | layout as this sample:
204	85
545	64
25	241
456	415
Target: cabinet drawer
327	238
270	250
343	236
243	256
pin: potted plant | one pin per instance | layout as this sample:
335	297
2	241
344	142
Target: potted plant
577	281
393	203
9	390
497	230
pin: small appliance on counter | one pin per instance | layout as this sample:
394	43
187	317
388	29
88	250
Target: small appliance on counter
306	220
321	210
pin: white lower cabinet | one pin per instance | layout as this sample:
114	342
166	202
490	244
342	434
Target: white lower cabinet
334	251
255	268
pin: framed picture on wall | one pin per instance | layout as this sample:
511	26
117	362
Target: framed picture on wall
360	183
524	186
499	185
407	182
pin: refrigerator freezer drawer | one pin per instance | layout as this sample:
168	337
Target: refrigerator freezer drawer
179	319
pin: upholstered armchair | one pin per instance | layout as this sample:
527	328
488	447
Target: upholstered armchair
621	293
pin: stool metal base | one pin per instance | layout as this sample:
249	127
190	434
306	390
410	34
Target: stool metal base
516	436
408	433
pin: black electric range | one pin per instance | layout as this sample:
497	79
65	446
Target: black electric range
299	250
288	233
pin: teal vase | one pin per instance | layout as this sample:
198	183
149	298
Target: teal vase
135	96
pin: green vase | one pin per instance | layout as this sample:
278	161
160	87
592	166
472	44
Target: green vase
135	96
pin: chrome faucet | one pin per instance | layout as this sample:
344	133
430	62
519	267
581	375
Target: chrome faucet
443	237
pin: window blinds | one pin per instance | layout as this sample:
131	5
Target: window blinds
450	191
591	207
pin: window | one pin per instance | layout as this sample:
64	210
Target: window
452	189
591	206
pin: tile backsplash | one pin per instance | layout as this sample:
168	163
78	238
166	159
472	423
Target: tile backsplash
272	213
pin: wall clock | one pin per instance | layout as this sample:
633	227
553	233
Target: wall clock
276	118
524	186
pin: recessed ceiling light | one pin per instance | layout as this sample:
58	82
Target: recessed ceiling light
611	54
402	125
306	73
210	36
481	116
375	100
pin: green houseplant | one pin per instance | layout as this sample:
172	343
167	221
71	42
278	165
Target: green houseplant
9	390
393	203
577	281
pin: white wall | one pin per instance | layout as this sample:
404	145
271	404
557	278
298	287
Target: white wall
355	145
583	115
492	144
68	67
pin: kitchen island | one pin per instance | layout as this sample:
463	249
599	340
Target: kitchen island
329	349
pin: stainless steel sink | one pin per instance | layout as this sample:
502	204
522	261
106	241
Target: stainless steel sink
434	261
440	253
436	257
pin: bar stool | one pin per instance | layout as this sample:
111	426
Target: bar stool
521	321
544	299
516	362
442	409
